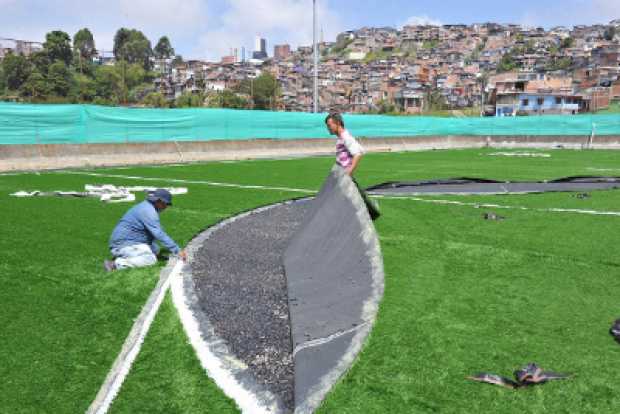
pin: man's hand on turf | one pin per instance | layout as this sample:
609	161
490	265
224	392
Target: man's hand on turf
183	255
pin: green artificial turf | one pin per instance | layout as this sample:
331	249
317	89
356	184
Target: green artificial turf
462	295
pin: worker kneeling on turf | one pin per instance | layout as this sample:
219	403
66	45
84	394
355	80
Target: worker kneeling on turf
134	240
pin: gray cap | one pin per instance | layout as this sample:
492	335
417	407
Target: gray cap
162	195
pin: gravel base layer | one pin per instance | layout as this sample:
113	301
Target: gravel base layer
240	282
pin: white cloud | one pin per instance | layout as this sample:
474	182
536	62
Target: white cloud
165	15
421	21
278	21
182	21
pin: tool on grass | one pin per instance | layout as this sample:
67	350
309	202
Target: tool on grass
492	216
531	374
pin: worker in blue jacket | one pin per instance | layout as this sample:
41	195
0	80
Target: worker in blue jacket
134	241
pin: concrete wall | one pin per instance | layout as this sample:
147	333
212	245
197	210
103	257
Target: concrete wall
56	156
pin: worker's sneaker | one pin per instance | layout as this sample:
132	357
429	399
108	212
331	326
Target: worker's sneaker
109	265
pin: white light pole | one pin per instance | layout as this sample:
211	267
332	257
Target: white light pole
315	105
480	77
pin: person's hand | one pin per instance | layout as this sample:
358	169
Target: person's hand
348	170
183	255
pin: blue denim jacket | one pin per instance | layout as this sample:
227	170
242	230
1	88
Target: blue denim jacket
141	225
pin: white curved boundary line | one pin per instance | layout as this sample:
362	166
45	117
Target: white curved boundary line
133	342
216	369
221	366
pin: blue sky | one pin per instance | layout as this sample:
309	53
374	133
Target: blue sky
207	29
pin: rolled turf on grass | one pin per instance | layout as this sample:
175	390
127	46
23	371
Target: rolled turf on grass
463	294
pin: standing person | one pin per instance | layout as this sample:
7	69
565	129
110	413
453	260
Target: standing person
349	152
133	242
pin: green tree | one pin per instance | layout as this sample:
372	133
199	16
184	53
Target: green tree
58	46
163	49
264	90
435	101
16	70
178	59
132	46
84	44
2	81
84	88
40	61
108	84
610	33
227	99
189	100
507	63
84	48
134	74
567	43
59	78
36	86
155	100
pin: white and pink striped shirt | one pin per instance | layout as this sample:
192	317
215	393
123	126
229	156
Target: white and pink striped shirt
347	147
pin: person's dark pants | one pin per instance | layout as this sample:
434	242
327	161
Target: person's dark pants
371	206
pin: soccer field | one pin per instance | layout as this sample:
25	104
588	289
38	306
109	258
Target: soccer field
462	294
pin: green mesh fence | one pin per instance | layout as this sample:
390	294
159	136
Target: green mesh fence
53	124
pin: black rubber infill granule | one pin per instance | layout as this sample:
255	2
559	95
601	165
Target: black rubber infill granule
239	278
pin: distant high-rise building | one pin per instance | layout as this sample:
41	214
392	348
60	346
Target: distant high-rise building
260	48
243	53
281	52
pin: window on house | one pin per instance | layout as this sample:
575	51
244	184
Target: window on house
526	102
558	101
540	101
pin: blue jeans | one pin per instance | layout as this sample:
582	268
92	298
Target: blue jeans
136	255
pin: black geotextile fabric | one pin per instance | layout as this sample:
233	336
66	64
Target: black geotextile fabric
329	274
239	279
466	185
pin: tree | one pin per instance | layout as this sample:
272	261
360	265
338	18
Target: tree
178	59
189	100
610	33
435	100
227	99
84	88
59	78
164	49
507	63
84	44
156	100
16	70
84	47
567	43
2	81
40	61
108	83
132	46
264	90
35	86
58	46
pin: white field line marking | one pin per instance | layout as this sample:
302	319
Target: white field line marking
176	180
478	205
131	347
602	169
215	367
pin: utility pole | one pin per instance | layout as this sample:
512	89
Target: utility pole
316	60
